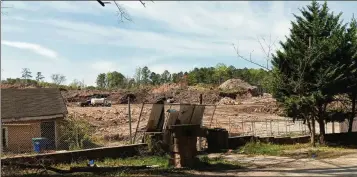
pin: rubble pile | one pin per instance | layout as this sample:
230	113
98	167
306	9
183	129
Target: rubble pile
228	101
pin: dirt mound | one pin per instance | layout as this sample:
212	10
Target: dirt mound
236	84
165	88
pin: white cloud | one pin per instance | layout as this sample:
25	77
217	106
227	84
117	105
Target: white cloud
104	66
32	47
161	32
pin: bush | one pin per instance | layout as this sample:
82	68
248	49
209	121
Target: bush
75	134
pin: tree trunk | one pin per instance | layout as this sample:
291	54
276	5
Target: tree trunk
308	125
350	121
322	130
313	132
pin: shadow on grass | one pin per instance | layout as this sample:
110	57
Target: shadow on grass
170	171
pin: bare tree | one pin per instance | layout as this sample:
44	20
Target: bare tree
267	49
58	79
121	13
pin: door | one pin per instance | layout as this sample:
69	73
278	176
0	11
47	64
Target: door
48	130
4	138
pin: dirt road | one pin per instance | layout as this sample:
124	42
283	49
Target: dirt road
285	166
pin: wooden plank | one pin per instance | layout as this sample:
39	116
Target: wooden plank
186	112
197	115
172	119
156	118
167	135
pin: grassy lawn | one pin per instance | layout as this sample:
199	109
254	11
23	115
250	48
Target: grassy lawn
295	151
160	162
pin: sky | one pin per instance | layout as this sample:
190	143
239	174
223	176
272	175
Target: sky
82	39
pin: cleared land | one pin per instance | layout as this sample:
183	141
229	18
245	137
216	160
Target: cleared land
252	116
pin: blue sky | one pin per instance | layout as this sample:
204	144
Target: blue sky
82	39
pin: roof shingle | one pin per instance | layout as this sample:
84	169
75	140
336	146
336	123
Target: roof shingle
34	102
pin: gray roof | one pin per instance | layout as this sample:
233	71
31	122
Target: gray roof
33	102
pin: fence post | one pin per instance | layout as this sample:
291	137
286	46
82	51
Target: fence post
200	138
271	128
139	119
333	127
252	127
266	127
278	126
129	115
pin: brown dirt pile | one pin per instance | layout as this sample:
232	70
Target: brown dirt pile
235	84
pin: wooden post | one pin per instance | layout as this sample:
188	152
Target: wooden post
210	125
129	115
139	119
200	138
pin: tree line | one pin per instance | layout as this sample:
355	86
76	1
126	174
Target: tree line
206	75
317	67
27	80
212	76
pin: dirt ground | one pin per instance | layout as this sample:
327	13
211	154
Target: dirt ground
114	120
285	166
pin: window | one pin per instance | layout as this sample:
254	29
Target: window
4	137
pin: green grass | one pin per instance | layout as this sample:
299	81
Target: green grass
131	161
205	164
295	151
160	161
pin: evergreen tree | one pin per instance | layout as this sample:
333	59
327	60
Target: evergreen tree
39	77
306	67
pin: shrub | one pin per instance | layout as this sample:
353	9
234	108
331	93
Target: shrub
75	134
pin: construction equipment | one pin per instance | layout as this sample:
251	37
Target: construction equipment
96	102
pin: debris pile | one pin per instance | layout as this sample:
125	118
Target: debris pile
236	84
228	101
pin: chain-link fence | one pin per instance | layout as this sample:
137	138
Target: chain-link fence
94	127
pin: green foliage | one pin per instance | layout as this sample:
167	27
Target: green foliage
26	74
39	76
138	76
295	150
165	77
155	78
115	80
75	133
101	80
308	71
145	74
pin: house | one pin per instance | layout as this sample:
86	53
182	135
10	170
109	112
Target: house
30	113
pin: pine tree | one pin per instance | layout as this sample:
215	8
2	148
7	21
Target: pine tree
306	68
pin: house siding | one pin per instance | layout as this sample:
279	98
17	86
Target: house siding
20	135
